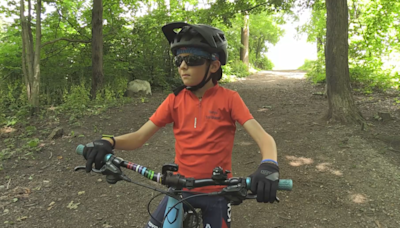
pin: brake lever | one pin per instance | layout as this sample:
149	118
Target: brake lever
112	172
251	196
84	167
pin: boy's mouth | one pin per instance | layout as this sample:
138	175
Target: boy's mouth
185	75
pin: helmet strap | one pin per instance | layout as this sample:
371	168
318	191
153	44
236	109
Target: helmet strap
203	82
196	87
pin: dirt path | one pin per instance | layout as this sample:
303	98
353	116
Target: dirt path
343	176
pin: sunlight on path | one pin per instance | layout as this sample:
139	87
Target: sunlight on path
287	74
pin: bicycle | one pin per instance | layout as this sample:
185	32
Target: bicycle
235	192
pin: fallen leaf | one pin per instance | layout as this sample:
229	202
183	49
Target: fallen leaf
59	157
73	205
81	192
22	218
51	205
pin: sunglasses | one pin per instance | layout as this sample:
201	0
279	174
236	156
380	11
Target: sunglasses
190	60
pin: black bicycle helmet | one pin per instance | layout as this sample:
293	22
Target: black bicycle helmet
201	36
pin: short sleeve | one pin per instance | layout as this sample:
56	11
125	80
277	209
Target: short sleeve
162	116
239	110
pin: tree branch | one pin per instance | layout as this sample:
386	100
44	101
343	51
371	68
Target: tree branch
66	39
256	6
71	24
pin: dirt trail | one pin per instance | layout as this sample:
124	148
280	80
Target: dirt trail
343	176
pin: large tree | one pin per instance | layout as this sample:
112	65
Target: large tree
341	102
31	51
97	47
245	36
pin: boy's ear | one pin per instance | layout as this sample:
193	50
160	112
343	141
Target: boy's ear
215	65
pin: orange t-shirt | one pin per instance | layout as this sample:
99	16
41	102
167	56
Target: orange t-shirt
204	130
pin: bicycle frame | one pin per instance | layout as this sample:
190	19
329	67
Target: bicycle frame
174	218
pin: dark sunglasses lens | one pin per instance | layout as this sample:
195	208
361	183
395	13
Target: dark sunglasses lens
190	60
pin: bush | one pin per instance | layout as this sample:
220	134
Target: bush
237	68
369	79
263	63
308	65
76	99
315	70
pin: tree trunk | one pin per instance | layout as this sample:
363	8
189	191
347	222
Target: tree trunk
340	98
244	51
36	62
30	58
26	51
97	47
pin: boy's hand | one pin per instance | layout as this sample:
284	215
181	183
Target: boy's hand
95	152
264	182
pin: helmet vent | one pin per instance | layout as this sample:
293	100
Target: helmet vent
222	36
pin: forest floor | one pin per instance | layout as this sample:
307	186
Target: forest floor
344	176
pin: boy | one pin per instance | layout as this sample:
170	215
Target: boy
204	116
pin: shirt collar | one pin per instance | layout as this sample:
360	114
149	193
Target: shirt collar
208	92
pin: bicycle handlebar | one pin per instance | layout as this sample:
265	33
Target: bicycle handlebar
219	177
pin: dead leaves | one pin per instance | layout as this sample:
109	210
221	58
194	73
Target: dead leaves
19	219
51	205
73	205
265	108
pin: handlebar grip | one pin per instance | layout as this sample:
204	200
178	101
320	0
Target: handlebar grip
284	184
79	150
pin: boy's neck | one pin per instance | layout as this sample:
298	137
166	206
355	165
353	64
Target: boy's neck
200	92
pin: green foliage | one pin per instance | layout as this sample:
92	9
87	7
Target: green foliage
134	48
369	79
237	68
308	65
373	40
77	98
315	70
264	28
262	63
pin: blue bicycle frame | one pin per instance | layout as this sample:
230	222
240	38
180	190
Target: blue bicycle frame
174	217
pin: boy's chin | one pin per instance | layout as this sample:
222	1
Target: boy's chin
190	84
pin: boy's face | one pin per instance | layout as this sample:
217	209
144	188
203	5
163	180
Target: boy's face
193	75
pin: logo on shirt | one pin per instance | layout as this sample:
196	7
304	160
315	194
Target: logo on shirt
213	115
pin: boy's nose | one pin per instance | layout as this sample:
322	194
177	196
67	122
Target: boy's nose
183	65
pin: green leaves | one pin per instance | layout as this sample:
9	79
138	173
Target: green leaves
374	32
134	46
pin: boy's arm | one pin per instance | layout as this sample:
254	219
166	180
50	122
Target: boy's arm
241	114
265	141
135	139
